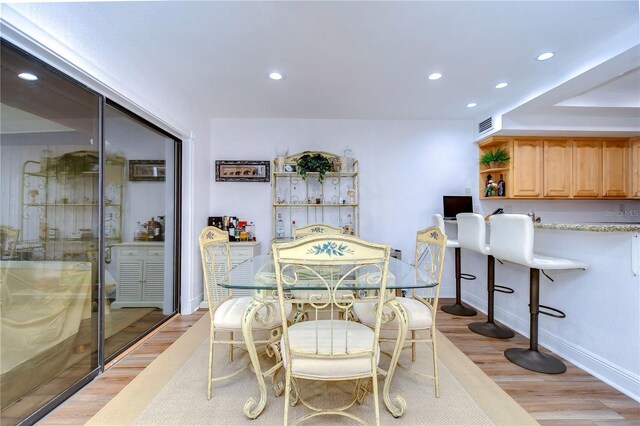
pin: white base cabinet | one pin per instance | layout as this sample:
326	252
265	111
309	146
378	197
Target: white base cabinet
239	252
140	275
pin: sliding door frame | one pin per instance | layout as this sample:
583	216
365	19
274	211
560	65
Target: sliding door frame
98	357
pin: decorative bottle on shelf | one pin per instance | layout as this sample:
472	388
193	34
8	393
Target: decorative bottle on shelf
502	189
279	227
232	231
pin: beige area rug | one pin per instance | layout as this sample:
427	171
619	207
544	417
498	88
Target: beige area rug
173	391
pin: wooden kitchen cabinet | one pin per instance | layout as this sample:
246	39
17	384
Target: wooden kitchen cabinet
557	168
526	158
587	170
615	168
634	166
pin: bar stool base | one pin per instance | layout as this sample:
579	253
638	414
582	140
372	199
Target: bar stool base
535	361
459	309
490	329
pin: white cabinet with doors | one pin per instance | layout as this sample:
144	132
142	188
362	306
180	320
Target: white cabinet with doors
140	275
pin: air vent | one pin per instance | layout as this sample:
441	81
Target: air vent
485	125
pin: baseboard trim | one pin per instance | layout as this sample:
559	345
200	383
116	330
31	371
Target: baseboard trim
619	378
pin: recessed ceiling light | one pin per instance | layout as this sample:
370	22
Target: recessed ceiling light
28	76
275	76
435	76
545	56
501	85
472	105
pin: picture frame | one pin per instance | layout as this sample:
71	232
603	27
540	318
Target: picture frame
242	171
147	170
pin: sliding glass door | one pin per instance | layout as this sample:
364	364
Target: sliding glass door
87	234
139	228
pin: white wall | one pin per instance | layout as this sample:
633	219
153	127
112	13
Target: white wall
405	168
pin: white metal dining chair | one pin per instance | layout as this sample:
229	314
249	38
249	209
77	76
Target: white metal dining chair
225	312
316	228
329	347
431	244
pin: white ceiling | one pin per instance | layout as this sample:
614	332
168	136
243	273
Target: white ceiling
349	60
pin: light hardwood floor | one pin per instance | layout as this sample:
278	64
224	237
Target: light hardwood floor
573	398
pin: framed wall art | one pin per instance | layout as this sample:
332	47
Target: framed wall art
242	171
147	170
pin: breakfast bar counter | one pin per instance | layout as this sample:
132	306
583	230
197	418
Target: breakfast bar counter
602	303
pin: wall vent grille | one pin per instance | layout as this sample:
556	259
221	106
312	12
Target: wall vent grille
485	125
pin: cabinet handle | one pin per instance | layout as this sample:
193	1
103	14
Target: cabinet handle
597	194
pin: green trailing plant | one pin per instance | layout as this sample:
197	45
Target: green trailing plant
313	163
73	163
492	158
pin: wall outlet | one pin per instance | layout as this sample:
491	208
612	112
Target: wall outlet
476	208
621	208
467	191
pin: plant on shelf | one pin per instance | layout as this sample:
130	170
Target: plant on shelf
73	163
495	159
313	163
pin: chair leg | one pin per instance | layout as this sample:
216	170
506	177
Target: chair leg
490	328
435	362
413	346
458	308
287	396
210	385
231	348
531	358
376	403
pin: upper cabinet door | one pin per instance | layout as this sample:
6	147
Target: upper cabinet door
587	170
615	163
635	167
527	168
557	168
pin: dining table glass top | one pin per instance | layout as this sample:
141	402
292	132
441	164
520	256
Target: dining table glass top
258	273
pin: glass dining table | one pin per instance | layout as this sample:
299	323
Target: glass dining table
258	274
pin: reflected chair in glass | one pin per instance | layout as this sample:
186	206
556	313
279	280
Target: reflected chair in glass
431	244
319	270
8	240
225	312
316	228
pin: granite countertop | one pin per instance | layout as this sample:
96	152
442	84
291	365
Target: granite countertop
591	227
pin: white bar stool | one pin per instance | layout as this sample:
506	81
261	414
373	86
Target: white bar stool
512	240
472	235
457	308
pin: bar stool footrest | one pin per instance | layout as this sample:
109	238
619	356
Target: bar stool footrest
558	313
503	289
459	310
469	277
535	361
491	329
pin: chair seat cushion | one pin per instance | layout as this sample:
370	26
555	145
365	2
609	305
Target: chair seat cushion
302	338
541	261
453	244
228	316
418	314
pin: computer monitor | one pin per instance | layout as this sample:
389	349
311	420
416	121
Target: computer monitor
454	204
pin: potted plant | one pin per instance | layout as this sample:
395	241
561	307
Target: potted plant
495	159
73	163
313	163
